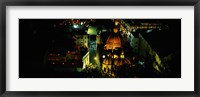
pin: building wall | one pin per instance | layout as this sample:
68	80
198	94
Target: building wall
106	68
85	40
135	45
145	49
98	39
86	60
82	40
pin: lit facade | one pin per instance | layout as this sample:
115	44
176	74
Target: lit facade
106	65
98	39
115	57
82	40
86	60
113	41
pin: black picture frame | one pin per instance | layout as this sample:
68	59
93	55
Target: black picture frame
4	3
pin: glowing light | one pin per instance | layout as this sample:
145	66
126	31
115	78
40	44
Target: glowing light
116	23
75	26
115	30
95	58
148	31
103	56
115	56
134	30
141	63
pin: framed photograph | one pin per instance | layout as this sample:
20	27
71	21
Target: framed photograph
106	48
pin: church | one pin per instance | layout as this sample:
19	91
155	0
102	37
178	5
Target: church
115	57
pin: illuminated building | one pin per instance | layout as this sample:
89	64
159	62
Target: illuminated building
82	40
111	63
86	60
107	65
73	55
79	56
147	26
98	39
114	40
112	52
122	60
115	57
71	59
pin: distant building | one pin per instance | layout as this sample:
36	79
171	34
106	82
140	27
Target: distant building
75	59
150	50
86	60
111	63
147	26
113	41
98	39
114	57
56	58
135	43
144	47
82	40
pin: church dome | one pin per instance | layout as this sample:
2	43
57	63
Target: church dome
113	41
122	61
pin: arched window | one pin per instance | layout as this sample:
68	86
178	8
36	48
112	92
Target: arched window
104	69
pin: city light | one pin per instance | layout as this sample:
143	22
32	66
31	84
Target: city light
81	23
104	48
75	26
150	30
